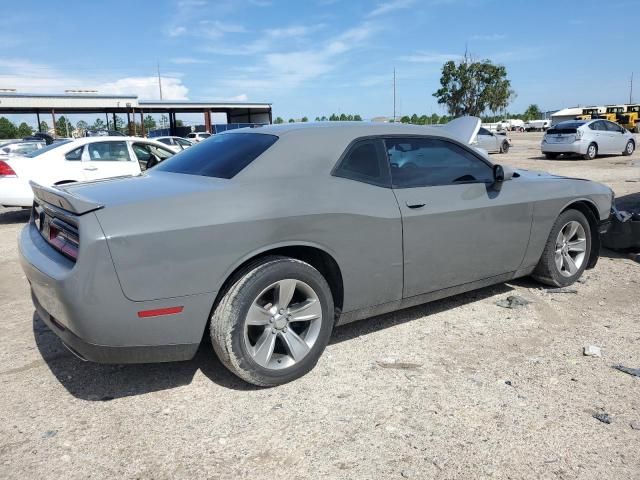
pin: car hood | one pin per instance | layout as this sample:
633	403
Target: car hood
148	187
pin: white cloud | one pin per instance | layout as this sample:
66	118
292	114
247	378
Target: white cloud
390	6
29	77
426	57
243	97
187	61
489	37
176	31
293	31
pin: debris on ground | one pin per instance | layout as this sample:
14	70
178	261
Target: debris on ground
603	417
513	301
397	364
635	425
624	232
592	351
631	371
561	290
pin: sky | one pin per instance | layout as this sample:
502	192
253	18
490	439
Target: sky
316	57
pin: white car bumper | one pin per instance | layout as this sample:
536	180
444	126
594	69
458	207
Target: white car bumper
15	192
578	147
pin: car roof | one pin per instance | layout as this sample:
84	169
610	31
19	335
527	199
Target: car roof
354	129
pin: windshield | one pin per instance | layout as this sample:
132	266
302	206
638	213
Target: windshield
221	156
47	148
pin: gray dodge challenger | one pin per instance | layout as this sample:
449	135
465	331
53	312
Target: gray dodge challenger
266	238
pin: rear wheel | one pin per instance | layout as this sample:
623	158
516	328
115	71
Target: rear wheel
274	322
566	253
592	151
551	156
629	148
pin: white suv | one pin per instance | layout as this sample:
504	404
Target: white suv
587	138
67	161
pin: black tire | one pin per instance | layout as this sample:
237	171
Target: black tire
551	156
547	271
592	152
505	147
629	148
228	320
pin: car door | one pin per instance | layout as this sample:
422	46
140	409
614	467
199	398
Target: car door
487	140
458	227
109	158
617	139
602	136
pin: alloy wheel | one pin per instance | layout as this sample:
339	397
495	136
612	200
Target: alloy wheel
571	247
283	324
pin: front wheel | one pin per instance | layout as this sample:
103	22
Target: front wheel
274	322
629	148
505	147
566	253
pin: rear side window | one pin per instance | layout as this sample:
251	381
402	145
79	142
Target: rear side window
365	162
108	152
74	155
221	156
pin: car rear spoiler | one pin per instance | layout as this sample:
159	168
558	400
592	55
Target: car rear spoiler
463	129
62	199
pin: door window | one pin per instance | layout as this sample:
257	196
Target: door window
421	162
183	143
364	162
108	152
612	127
484	131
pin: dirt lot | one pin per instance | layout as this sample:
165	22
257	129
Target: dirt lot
476	390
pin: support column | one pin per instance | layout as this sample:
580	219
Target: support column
114	120
207	121
142	122
270	116
248	115
53	117
106	117
38	118
128	123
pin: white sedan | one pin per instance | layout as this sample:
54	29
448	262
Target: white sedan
493	142
89	158
177	144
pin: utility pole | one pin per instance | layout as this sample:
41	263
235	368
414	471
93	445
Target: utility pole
394	94
631	89
159	81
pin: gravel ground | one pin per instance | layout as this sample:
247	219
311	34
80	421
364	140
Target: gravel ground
459	388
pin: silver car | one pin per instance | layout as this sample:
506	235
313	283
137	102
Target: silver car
493	142
267	238
177	144
587	138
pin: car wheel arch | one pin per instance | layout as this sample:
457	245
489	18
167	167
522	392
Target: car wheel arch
589	210
314	255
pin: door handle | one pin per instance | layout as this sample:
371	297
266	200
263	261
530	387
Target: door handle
415	205
91	169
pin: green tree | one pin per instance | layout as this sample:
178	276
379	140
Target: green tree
414	119
434	119
7	128
44	127
82	126
64	128
357	118
304	119
470	88
405	119
149	123
291	120
532	112
278	120
423	120
333	117
24	130
343	117
98	124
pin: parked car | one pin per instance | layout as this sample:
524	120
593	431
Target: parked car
537	125
588	138
197	137
493	142
177	144
19	147
66	161
271	236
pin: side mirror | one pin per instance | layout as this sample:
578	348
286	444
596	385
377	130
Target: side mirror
498	174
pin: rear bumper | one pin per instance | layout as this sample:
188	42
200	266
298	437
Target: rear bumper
84	305
575	147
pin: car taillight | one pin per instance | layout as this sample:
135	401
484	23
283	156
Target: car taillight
6	170
63	238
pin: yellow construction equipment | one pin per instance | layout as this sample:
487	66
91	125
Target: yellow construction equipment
590	113
612	113
630	119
